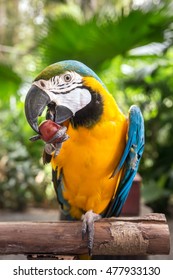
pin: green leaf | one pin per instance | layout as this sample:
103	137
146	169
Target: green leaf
9	82
98	39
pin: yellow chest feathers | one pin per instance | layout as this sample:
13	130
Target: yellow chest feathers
89	157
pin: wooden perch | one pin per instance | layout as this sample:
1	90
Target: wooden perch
113	236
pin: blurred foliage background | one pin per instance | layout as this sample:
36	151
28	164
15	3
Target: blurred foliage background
129	43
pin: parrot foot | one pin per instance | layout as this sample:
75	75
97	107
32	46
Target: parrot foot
88	227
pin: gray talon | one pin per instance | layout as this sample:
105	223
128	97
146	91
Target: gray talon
49	149
88	227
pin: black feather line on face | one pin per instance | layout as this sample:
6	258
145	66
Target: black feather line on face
91	113
78	85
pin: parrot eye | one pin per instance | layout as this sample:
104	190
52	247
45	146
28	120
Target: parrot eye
67	78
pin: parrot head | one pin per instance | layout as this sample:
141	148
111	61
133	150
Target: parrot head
70	91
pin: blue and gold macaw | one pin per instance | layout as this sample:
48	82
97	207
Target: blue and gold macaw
95	167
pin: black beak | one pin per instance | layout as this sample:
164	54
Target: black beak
35	103
62	114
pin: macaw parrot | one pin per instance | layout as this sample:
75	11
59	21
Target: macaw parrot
94	168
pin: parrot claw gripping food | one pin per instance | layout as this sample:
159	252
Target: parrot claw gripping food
93	170
53	134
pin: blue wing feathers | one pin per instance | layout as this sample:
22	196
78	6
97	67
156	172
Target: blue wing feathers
129	161
58	186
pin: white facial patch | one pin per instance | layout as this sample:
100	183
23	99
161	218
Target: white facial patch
75	100
66	89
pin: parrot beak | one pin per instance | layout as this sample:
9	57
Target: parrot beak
35	103
62	114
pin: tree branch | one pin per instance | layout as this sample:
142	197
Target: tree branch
113	236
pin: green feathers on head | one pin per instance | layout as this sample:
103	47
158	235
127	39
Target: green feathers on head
67	65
